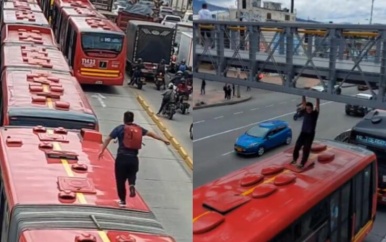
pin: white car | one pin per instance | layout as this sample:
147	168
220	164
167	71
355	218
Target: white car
320	88
171	20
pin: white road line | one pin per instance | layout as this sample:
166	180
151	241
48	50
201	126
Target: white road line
237	113
218	117
253	109
228	153
197	122
248	125
269	106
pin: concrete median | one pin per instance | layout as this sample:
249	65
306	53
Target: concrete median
173	141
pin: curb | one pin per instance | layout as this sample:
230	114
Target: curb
222	104
173	141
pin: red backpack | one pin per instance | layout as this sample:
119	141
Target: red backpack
132	137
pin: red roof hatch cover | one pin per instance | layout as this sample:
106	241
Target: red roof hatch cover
225	202
284	179
76	184
271	170
264	190
250	179
52	137
207	222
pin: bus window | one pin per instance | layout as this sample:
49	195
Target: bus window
63	35
358	181
366	196
334	216
72	48
1	108
68	40
54	18
345	212
59	23
5	221
98	41
2	204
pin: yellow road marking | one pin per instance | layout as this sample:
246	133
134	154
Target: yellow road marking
49	100
80	196
249	191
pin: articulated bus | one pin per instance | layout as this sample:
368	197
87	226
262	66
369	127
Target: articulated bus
23	17
95	49
370	133
333	200
52	7
63	16
59	5
54	188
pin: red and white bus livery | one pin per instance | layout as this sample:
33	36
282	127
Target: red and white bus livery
34	35
55	188
23	17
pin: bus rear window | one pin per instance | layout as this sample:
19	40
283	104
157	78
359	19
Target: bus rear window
102	42
52	123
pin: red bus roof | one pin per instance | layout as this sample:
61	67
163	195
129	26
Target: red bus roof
74	4
70	235
45	94
34	57
36	35
84	12
25	1
20	5
24	17
95	24
65	174
268	196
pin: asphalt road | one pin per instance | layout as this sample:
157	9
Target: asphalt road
216	130
162	180
179	125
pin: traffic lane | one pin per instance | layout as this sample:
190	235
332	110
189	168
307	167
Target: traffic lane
162	180
378	233
241	119
178	126
214	157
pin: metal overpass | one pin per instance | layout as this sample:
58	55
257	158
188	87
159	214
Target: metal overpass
334	54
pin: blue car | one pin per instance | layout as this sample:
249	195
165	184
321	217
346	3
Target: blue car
264	136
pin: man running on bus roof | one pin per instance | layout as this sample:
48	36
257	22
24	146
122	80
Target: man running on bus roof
307	133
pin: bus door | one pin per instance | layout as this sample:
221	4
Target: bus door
70	48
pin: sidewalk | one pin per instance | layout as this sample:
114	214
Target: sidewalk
214	95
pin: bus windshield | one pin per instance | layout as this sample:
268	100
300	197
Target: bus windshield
52	123
102	42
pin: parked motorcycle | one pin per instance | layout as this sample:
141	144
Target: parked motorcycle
299	113
160	81
169	110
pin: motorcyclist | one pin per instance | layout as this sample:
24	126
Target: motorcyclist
168	97
137	71
177	78
161	67
183	67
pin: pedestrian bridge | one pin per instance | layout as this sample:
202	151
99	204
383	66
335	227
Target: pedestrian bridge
334	54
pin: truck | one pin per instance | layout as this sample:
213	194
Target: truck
151	42
185	50
124	17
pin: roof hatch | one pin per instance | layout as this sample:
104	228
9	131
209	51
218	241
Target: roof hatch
52	137
76	184
36	56
207	222
250	179
225	202
272	170
33	36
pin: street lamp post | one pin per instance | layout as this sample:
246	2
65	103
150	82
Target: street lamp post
372	9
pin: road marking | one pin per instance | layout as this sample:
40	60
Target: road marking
253	109
218	117
228	153
100	98
269	106
237	113
248	125
201	121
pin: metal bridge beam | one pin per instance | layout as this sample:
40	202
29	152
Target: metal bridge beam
333	52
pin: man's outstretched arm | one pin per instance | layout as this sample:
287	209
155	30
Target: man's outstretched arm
155	136
303	105
317	106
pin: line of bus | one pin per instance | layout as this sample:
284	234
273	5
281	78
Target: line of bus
94	47
53	187
370	133
334	200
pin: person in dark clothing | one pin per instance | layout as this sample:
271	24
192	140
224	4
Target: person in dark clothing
307	133
126	162
167	97
203	84
161	67
225	91
137	71
229	92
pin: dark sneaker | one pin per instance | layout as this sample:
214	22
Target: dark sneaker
121	204
293	162
132	191
300	166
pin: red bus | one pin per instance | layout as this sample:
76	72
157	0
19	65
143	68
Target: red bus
23	17
22	6
16	2
33	57
96	50
54	188
36	35
334	200
63	16
52	7
34	97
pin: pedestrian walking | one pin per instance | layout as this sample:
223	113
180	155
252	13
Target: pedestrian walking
307	133
129	137
203	84
229	92
225	91
234	90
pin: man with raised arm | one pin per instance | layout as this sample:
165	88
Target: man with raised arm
307	133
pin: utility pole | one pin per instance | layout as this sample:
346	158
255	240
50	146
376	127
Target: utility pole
371	14
293	3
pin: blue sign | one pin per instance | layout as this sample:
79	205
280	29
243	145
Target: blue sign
371	141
